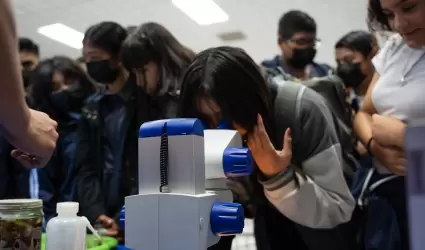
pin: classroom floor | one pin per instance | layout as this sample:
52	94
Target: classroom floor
246	240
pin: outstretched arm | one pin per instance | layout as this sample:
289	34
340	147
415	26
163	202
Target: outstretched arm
14	112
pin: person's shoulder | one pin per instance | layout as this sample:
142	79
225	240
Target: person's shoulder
91	106
395	40
392	46
324	69
95	97
311	100
271	63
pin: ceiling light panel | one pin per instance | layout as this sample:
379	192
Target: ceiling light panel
63	34
203	12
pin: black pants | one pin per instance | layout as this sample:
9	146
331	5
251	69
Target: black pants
273	231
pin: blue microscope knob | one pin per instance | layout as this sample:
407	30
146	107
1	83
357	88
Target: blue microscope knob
122	218
227	218
222	124
237	162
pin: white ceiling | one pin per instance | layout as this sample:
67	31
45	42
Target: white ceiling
257	19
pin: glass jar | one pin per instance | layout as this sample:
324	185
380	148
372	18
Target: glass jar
21	224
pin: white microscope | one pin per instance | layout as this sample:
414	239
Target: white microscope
183	202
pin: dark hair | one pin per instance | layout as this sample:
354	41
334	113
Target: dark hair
131	29
107	36
152	42
376	18
295	21
360	41
233	80
80	59
42	81
27	45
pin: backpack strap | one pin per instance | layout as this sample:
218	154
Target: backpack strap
287	111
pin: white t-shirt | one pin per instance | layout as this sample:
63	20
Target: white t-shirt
391	95
400	89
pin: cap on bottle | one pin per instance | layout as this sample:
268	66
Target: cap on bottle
237	162
67	208
227	218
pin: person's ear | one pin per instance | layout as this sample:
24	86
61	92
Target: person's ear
281	43
373	52
279	40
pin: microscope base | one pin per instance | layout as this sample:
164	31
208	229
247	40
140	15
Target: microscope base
168	221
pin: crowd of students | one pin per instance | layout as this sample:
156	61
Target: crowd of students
327	142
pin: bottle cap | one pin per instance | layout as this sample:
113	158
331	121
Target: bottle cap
67	208
237	162
227	218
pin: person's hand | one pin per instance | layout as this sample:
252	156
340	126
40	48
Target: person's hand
112	228
35	146
391	157
388	131
360	148
268	159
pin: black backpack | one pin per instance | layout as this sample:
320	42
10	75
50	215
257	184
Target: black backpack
332	89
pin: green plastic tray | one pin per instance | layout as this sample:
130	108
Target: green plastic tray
107	243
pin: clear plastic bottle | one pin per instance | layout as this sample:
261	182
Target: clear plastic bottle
67	231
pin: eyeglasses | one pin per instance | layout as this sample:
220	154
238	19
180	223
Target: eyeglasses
315	43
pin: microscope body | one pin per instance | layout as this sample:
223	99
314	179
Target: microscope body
174	209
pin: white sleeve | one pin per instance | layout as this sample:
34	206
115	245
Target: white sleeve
390	47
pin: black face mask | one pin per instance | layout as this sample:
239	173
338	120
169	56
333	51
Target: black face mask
302	57
69	100
351	74
26	77
102	72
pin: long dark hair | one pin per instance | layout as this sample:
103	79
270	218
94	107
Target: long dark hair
377	20
232	79
152	42
42	83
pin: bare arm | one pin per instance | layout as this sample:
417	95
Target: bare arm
14	114
32	133
363	120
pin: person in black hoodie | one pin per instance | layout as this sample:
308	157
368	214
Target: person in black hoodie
158	61
106	157
59	89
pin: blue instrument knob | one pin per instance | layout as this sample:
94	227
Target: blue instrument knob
237	162
227	218
222	124
122	218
